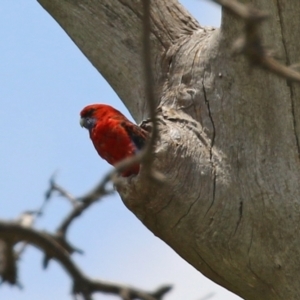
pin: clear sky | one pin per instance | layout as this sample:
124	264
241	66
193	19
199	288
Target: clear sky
44	82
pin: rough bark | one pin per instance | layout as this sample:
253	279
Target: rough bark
229	136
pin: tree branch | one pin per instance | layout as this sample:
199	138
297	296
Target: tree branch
149	83
54	187
250	43
84	203
81	284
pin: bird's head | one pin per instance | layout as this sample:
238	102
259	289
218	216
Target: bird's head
93	113
88	117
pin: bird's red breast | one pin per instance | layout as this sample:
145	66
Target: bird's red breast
113	135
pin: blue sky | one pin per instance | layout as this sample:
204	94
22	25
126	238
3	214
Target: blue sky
45	82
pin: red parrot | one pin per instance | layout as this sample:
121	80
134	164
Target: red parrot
113	135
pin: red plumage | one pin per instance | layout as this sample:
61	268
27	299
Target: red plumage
113	135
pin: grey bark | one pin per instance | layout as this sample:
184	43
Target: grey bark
229	136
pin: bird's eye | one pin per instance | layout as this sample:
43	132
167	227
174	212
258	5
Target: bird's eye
90	122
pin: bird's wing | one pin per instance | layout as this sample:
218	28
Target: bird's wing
136	134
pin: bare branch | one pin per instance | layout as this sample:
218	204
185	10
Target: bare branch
208	296
271	64
84	202
149	83
82	285
8	266
28	219
64	193
100	189
243	11
251	44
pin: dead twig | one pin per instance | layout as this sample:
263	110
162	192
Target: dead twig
83	203
54	187
82	285
243	11
149	84
251	43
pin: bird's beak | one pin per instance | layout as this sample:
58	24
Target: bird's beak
81	122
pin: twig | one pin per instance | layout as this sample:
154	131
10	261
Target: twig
82	285
251	43
241	10
149	82
64	193
8	265
99	191
281	70
32	216
28	219
85	202
208	296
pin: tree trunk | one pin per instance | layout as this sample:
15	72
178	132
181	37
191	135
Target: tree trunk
229	136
